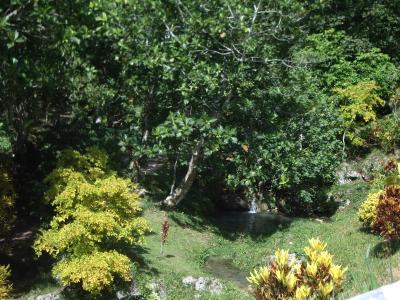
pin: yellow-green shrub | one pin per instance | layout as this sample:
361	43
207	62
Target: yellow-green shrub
367	210
95	211
94	271
360	102
287	278
7	198
5	286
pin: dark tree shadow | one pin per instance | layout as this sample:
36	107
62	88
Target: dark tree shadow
27	270
233	225
386	248
136	255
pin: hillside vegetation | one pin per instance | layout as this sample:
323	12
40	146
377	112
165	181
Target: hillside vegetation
117	117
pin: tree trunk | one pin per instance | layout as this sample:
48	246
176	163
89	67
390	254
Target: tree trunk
177	194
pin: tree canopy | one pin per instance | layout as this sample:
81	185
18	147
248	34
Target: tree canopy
261	93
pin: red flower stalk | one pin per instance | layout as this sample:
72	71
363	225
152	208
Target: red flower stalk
164	232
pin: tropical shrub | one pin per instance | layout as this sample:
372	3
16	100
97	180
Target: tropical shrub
95	212
287	277
367	210
5	286
387	221
387	175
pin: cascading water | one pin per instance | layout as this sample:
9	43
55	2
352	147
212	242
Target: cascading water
253	216
253	207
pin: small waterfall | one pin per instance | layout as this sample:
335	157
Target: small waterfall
253	207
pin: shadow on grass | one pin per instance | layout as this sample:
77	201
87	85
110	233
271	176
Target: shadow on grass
233	225
136	254
386	248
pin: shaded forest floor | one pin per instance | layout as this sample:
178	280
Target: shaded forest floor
193	239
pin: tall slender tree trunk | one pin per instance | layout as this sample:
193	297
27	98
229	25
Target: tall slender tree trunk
178	194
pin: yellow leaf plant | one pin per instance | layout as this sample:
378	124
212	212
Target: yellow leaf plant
95	212
287	278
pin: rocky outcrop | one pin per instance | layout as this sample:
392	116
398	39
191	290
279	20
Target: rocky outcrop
347	173
363	168
204	284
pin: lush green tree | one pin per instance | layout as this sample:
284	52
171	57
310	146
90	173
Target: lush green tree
218	74
360	102
5	143
334	56
293	159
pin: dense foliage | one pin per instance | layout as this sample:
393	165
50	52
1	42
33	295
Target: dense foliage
190	86
197	84
289	278
94	210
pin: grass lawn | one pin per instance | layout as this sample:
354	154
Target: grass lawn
192	239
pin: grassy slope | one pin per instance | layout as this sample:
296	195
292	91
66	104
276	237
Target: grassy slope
182	256
351	246
192	239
